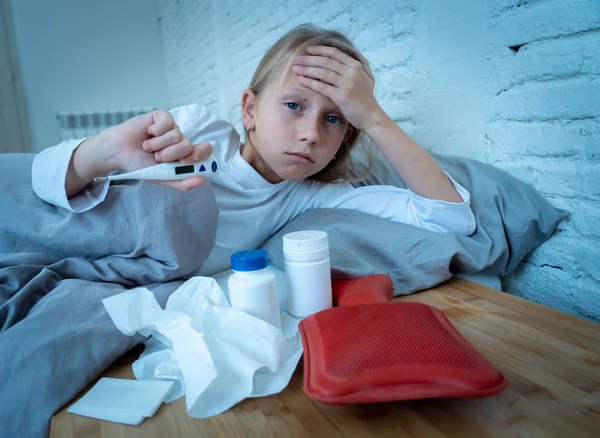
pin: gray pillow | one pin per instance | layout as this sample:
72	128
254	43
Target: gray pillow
512	220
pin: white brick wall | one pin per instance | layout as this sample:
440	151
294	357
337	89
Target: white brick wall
543	126
447	74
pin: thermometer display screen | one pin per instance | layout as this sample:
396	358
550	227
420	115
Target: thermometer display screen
182	170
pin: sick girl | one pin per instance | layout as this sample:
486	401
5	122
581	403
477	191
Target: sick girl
308	105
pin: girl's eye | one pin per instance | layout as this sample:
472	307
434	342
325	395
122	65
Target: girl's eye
333	120
292	105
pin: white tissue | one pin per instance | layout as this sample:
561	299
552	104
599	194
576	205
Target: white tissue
215	354
122	400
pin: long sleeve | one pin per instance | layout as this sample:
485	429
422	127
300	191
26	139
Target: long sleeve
401	205
48	175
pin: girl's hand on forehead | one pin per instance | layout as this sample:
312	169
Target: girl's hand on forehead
347	82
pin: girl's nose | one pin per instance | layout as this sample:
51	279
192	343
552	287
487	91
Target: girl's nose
309	131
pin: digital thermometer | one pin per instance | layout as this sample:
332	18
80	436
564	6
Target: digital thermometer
169	171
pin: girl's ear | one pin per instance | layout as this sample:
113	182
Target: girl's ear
248	109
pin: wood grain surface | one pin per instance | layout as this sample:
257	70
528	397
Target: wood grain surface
551	361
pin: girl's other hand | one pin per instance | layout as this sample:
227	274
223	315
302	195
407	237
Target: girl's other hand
347	82
150	139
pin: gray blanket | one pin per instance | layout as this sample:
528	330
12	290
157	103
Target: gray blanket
57	266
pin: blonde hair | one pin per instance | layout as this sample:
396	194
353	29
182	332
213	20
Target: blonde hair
278	60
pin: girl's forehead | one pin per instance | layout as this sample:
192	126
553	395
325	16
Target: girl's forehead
309	100
282	73
284	76
288	82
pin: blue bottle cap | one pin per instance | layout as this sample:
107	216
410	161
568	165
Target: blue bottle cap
249	260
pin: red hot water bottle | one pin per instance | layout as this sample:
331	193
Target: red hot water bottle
375	351
376	288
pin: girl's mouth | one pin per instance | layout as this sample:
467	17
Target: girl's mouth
301	158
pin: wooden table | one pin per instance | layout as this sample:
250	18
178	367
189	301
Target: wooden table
551	361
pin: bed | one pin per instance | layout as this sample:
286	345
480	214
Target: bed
57	266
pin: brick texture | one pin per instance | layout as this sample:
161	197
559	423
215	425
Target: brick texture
513	83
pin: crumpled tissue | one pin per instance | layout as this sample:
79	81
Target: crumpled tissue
215	354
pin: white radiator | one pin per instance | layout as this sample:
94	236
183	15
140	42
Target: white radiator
79	124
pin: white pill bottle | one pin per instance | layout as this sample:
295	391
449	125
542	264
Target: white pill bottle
252	286
307	272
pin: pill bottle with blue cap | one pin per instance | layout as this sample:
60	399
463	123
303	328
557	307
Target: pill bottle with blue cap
252	286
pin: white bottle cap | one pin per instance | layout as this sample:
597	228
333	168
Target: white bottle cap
305	241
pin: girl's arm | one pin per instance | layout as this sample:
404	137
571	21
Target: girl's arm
351	89
86	164
417	168
398	205
60	174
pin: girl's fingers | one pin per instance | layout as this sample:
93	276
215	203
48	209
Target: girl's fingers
321	61
334	59
174	152
366	66
185	184
162	122
333	53
169	138
200	151
322	74
318	86
185	152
